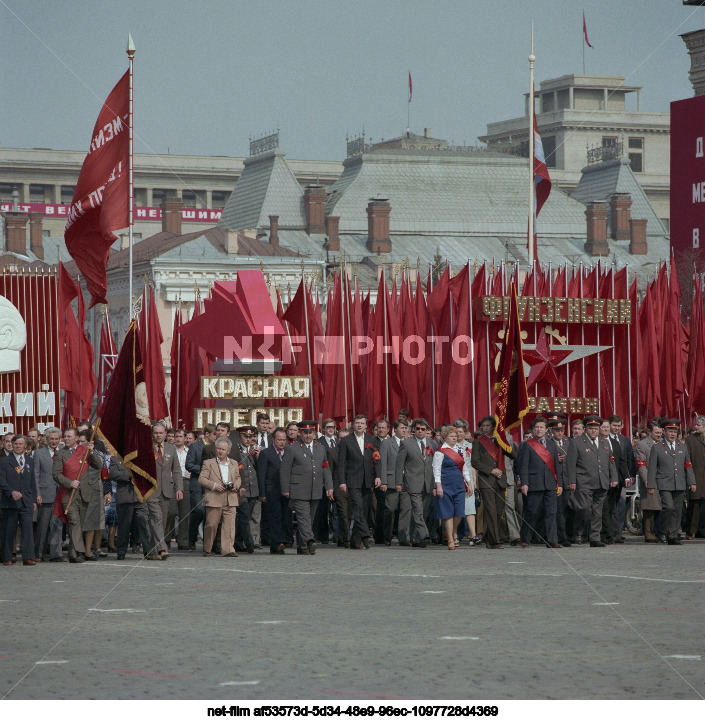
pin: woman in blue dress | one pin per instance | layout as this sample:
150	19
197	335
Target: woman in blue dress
452	477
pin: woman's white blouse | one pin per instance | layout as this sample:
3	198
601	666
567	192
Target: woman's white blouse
438	462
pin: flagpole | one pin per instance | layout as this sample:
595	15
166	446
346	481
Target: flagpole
308	344
532	59
130	168
583	41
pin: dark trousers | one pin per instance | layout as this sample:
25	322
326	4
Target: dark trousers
345	513
10	518
321	528
276	506
610	524
196	514
391	503
670	521
493	501
360	500
695	517
589	502
183	508
41	540
126	512
534	502
380	497
243	535
560	519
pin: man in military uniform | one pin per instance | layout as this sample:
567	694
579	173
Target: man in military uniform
590	470
303	474
557	425
650	502
244	522
670	470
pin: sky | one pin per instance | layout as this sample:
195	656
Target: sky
209	75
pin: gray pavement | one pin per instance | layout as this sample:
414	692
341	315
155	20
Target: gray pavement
624	622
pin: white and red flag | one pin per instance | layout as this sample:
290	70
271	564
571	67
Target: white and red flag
100	201
542	181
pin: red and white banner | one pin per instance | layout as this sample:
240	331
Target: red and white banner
100	201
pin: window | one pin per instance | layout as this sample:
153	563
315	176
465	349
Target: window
549	150
6	192
158	194
609	140
636	154
194	198
141	197
36	193
67	192
220	198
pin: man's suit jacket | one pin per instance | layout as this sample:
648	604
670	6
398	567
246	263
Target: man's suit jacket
248	473
388	452
125	492
303	475
269	466
11	480
332	456
169	478
194	458
589	468
210	474
534	473
86	491
412	471
355	469
667	470
619	460
627	456
269	438
44	475
696	449
482	461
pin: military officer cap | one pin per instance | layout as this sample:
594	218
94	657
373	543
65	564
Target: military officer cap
247	431
556	423
556	416
670	423
307	426
592	421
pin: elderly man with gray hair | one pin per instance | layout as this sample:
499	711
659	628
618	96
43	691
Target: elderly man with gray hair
47	540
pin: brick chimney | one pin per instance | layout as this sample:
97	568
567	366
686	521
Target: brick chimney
274	230
332	226
231	242
171	214
620	209
596	215
638	244
16	233
315	208
378	211
36	235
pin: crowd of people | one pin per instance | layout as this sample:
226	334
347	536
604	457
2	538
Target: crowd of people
65	498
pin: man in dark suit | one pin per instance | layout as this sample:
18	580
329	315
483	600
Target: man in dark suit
161	505
488	459
671	471
264	437
557	428
127	505
358	472
590	471
341	498
413	475
540	477
18	500
194	461
321	523
269	466
49	526
626	471
303	475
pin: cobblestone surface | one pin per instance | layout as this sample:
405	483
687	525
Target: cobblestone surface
623	622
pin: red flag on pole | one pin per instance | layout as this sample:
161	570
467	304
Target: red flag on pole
100	201
542	182
585	36
67	292
410	86
108	352
513	399
151	339
123	422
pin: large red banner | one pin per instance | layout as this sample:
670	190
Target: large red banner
687	175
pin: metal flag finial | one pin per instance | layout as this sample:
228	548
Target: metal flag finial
130	46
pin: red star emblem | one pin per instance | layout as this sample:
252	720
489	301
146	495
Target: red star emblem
543	361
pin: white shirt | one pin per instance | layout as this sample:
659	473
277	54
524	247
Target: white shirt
181	454
438	462
262	439
224	471
361	442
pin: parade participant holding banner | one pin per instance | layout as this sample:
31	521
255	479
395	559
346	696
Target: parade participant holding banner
541	482
488	459
452	477
71	472
670	470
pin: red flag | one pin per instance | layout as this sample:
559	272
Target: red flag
585	37
100	201
178	361
410	86
124	423
513	399
108	352
542	180
649	387
696	351
67	292
151	339
81	357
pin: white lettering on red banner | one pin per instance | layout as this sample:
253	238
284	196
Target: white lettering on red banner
59	210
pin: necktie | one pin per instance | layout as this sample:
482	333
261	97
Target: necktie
261	440
543	441
310	448
332	442
21	462
161	453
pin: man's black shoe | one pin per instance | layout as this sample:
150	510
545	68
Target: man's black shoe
302	551
250	548
425	542
121	557
597	544
311	548
366	543
675	542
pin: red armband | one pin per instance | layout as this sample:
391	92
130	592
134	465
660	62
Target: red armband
641	464
687	464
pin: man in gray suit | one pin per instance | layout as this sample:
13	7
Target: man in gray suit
388	451
414	479
49	526
169	490
591	470
304	473
670	470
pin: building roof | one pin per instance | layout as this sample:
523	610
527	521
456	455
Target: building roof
601	180
266	187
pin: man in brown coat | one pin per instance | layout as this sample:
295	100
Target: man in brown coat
695	515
